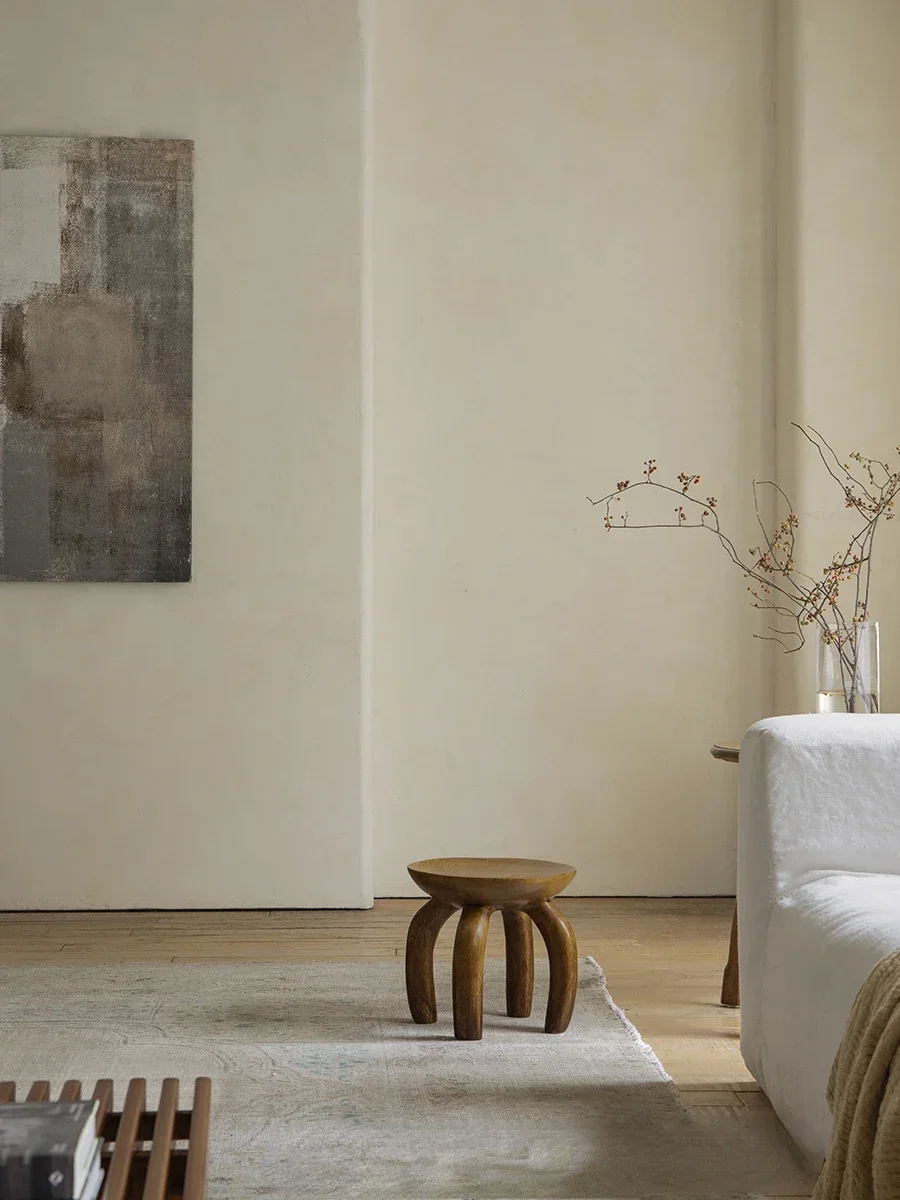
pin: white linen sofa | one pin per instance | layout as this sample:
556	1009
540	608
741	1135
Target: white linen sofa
818	897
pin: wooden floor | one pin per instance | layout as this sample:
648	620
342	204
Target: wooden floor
663	960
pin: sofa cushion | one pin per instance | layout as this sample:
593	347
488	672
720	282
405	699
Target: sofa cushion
825	935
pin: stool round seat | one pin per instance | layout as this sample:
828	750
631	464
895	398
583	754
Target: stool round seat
491	882
522	889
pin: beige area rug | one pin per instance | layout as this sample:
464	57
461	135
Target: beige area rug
323	1087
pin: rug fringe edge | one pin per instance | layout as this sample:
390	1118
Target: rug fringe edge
632	1031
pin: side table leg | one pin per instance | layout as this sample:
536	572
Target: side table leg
562	950
468	973
519	962
731	979
423	931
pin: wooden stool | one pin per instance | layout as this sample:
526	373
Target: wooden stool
521	888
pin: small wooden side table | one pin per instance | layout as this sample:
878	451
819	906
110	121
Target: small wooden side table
522	889
731	979
132	1169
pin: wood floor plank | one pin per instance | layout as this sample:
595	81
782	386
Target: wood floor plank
720	1098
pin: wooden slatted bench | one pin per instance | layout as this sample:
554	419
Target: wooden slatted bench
141	1155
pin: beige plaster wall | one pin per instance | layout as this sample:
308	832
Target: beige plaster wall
570	274
564	262
839	284
198	745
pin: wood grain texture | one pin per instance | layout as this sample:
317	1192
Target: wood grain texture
730	994
726	751
126	1137
423	931
731	979
562	950
495	882
468	973
103	1094
519	935
156	1185
198	1149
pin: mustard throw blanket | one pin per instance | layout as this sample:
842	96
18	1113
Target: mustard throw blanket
864	1095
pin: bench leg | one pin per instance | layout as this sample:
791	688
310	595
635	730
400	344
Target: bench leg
468	973
423	931
562	951
519	962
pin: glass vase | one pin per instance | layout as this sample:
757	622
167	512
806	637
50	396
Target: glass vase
848	674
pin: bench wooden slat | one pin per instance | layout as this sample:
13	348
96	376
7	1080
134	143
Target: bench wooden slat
158	1167
7	1092
198	1147
103	1094
181	1132
39	1093
71	1091
120	1163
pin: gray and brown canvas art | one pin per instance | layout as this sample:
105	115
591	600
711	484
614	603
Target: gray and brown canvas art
96	268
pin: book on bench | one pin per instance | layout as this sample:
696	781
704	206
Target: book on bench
94	1180
47	1151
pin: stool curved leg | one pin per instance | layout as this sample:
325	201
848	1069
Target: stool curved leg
468	973
519	962
423	931
562	951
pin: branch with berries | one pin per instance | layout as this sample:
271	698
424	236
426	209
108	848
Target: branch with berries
837	600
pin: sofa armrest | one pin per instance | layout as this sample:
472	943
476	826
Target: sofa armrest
817	794
821	793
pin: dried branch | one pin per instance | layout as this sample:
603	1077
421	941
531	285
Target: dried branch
776	582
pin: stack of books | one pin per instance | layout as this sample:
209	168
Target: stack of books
50	1151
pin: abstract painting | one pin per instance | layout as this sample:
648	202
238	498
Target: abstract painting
96	275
